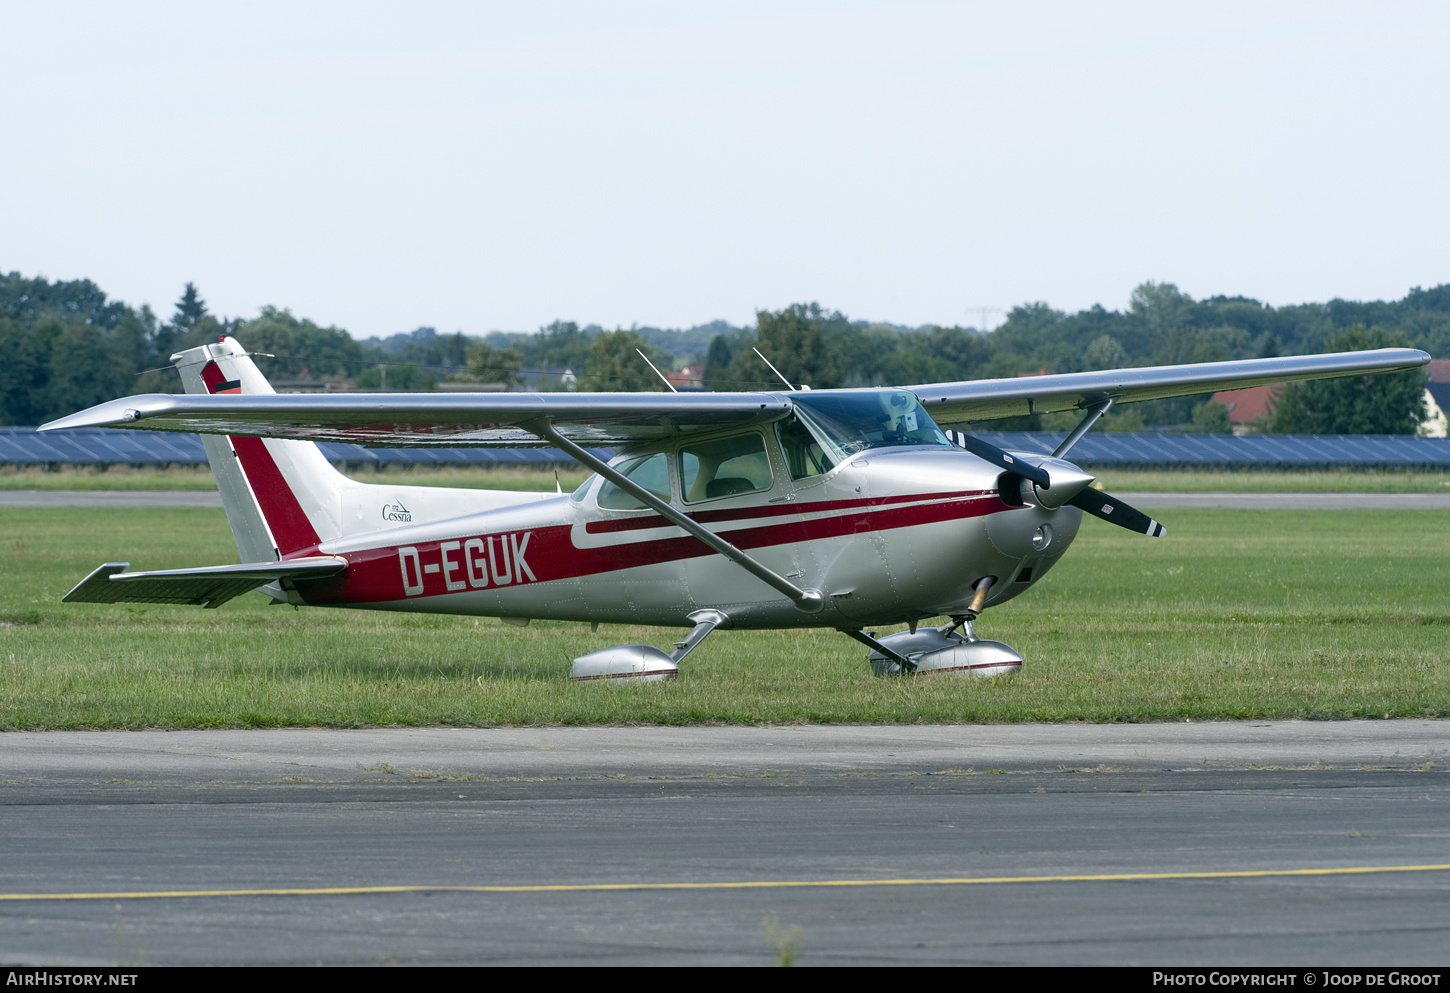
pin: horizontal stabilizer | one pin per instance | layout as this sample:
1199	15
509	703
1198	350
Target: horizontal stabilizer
210	586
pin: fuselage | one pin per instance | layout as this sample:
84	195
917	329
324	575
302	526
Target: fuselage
890	536
856	495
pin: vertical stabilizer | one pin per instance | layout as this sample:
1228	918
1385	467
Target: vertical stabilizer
281	497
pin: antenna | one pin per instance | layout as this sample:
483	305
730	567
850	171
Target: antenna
657	372
773	369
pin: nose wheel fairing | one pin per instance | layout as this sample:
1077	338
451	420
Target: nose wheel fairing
932	651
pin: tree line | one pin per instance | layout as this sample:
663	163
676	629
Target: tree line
66	345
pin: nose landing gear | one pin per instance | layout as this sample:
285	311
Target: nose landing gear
942	649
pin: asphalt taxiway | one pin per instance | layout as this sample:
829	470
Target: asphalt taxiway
1312	843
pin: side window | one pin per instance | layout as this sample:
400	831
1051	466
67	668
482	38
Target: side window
803	453
725	467
651	472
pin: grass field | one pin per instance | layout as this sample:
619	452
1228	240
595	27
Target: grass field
1238	614
512	478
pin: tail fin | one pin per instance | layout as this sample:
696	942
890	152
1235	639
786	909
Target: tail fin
281	497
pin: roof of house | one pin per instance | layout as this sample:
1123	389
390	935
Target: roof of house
1245	405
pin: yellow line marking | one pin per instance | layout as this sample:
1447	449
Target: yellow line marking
746	885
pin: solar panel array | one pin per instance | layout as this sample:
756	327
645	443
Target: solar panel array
102	446
99	446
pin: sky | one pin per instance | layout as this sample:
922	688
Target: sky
476	166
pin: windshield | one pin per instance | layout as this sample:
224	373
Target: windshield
845	422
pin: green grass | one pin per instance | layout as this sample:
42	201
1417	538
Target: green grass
120	477
1239	614
1275	481
519	478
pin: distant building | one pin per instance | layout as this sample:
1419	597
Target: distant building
691	377
1437	401
1247	406
454	387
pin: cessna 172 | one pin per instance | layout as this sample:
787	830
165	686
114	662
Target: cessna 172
828	508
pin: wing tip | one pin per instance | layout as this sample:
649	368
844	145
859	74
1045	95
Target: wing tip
112	413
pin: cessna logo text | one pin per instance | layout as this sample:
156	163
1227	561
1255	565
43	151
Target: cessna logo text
493	560
397	512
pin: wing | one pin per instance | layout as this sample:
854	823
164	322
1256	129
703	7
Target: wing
988	399
449	420
511	420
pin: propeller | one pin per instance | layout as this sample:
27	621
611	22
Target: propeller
1114	511
1000	459
1026	482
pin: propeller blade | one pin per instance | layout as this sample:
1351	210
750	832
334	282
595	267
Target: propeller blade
1002	460
1115	511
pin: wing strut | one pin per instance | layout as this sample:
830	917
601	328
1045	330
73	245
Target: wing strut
810	601
1094	411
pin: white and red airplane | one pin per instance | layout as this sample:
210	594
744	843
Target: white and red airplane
849	509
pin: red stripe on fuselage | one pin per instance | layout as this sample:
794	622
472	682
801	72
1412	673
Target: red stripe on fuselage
375	575
291	529
773	510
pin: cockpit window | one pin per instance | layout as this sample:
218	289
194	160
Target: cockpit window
724	467
583	491
842	423
651	472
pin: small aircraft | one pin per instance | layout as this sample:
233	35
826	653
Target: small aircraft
850	508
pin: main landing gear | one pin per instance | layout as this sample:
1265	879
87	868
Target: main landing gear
941	649
645	662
